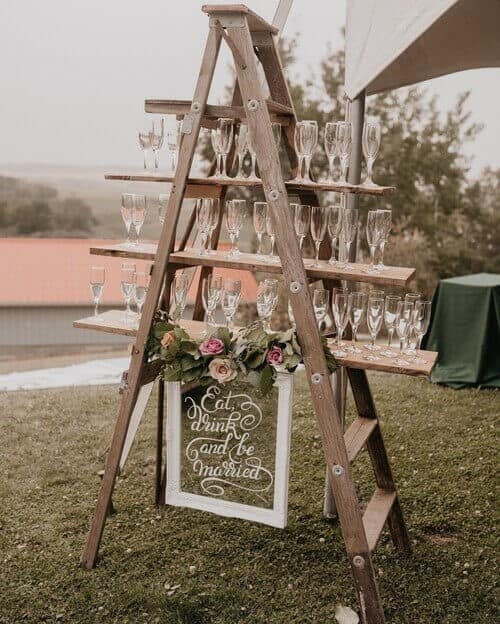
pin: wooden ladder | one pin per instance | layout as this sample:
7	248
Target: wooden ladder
251	39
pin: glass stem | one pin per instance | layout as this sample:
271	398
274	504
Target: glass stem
382	247
232	238
317	245
272	246
373	336
224	158
307	167
331	164
254	165
301	242
332	257
156	158
96	308
369	169
144	156
347	251
419	341
372	257
259	238
391	334
401	345
240	166
299	168
354	333
344	164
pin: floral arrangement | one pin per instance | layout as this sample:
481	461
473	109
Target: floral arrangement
250	353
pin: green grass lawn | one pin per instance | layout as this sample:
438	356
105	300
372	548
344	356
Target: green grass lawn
176	566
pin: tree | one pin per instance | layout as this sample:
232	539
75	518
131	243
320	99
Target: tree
34	217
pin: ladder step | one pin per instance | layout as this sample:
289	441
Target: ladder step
224	11
376	514
357	435
279	112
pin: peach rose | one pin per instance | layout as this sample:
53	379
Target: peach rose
168	339
221	370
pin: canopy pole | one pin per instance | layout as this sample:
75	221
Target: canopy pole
355	113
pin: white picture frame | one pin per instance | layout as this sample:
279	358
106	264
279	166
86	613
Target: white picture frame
275	516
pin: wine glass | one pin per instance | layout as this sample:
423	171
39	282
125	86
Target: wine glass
241	148
301	221
421	321
373	234
157	136
211	296
212	225
173	143
231	295
272	235
224	139
341	314
320	304
385	223
235	215
390	316
127	284
403	325
203	218
319	222
348	231
144	137
357	305
265	304
138	214
344	142
308	141
259	222
127	210
334	227
141	286
371	145
180	287
97	277
331	148
374	317
163	199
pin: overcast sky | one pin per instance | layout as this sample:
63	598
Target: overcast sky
74	74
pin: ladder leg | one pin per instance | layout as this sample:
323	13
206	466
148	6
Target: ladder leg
378	455
259	124
165	246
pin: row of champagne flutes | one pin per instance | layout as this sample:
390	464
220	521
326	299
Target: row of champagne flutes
151	138
340	222
337	137
407	316
133	285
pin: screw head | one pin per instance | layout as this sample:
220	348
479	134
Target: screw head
358	561
316	378
273	195
196	107
337	470
295	287
253	105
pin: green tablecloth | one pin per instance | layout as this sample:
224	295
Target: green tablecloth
465	330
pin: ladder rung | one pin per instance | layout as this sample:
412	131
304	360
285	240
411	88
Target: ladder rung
357	435
180	108
376	514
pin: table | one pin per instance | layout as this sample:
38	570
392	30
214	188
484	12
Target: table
465	330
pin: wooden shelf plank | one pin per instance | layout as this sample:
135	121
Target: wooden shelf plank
293	187
376	514
390	276
115	322
356	436
255	22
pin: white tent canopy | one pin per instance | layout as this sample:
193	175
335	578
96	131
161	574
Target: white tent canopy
392	43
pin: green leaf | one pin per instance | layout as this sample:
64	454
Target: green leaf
255	359
266	379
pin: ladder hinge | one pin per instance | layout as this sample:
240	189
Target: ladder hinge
227	20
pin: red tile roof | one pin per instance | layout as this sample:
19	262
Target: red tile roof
55	271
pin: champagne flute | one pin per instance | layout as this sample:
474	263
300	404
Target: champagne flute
141	286
319	222
241	148
216	146
308	140
341	314
385	223
180	288
421	321
412	298
357	305
253	157
235	215
301	221
371	145
203	217
231	295
265	304
344	143
127	211
211	296
127	284
139	214
272	235
374	317
212	224
373	234
224	132
334	227
173	143
331	148
390	316
163	199
157	136
320	304
299	151
259	222
403	324
348	231
144	137
97	278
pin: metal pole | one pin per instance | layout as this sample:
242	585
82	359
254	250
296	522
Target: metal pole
355	113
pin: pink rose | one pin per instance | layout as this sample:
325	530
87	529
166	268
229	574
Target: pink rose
274	356
168	339
212	346
221	370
